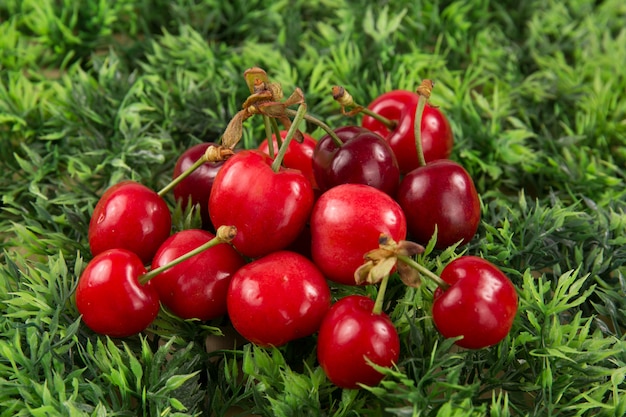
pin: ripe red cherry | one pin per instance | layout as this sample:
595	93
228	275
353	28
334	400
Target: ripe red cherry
269	209
197	186
195	288
277	298
298	156
131	216
326	148
364	158
349	333
479	305
441	194
400	106
346	223
110	298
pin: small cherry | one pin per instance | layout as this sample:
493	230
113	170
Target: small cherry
346	223
197	287
277	298
131	216
364	157
353	332
479	303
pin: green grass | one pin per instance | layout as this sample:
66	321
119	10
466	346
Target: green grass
96	91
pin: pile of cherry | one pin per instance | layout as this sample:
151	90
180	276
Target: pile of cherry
284	221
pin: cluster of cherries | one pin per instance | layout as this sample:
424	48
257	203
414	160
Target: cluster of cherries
283	221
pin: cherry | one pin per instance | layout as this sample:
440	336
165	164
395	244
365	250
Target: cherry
196	187
350	333
326	148
363	158
197	287
298	156
400	106
440	195
110	298
480	303
131	216
346	223
277	298
269	209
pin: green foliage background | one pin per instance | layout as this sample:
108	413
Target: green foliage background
95	91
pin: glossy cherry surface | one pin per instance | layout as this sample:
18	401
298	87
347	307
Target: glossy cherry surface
195	288
441	194
350	333
346	223
110	298
298	156
400	106
480	304
131	216
278	298
364	158
269	209
197	186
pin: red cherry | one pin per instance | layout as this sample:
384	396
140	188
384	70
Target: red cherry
269	209
351	332
400	106
364	158
110	298
298	156
326	148
277	298
441	194
479	305
197	186
195	288
346	223
131	216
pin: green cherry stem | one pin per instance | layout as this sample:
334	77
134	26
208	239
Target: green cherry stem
424	94
268	134
380	297
319	123
424	271
224	234
299	116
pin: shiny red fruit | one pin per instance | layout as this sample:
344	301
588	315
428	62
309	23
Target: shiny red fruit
277	298
480	304
400	106
110	298
298	156
197	186
350	333
441	194
346	223
195	288
131	216
269	209
363	158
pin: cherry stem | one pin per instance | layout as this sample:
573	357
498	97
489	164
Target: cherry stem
268	134
224	234
424	271
344	98
320	124
276	128
380	297
299	116
423	92
183	175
